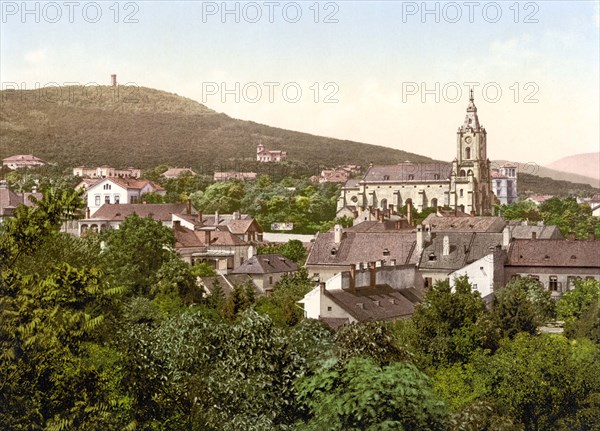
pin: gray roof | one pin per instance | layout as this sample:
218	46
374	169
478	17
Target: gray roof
541	232
358	247
10	200
266	264
376	303
465	248
464	224
409	172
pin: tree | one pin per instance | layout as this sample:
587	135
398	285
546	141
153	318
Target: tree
370	339
575	302
451	325
362	395
293	250
136	251
282	305
521	306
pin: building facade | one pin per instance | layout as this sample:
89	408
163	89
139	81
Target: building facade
264	155
463	184
504	183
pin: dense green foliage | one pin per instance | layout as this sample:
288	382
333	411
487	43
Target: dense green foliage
565	213
110	332
534	184
293	250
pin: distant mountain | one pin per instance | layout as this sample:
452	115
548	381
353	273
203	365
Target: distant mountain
545	171
143	127
587	164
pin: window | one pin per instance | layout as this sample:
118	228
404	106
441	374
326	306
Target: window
117	199
436	176
107	199
462	173
386	177
270	279
97	200
467	153
411	177
553	283
106	186
328	308
428	282
571	279
461	193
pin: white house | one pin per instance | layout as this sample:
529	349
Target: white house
117	191
22	161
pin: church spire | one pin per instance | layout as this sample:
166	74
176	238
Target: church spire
471	120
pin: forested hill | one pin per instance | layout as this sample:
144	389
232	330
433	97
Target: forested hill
135	126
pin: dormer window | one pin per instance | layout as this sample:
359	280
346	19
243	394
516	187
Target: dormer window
386	252
436	176
432	257
333	251
411	177
386	177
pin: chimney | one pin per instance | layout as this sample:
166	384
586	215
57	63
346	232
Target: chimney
446	246
534	235
391	207
189	207
591	236
571	236
506	237
378	214
372	274
236	215
113	80
199	218
409	212
216	218
322	286
420	239
472	213
352	276
398	224
87	212
207	236
337	233
34	189
392	262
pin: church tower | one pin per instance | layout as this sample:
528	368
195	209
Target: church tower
470	188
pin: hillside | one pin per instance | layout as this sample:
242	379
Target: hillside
545	171
582	164
142	127
528	184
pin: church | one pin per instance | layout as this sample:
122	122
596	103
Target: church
463	185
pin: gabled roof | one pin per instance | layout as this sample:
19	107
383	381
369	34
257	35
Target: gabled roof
376	303
409	172
356	247
239	227
464	224
23	159
197	238
554	253
10	200
128	183
266	264
541	232
118	212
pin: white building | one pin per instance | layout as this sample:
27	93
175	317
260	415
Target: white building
22	161
264	155
117	191
504	183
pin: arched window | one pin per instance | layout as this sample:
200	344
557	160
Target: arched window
462	173
384	204
460	192
434	203
467	153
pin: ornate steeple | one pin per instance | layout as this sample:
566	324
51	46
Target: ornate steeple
471	120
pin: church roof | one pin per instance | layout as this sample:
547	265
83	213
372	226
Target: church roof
405	172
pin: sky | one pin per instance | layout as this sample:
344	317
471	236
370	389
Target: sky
388	73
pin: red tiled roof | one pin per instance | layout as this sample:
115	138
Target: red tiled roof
118	212
555	253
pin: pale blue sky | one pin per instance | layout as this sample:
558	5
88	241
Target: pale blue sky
371	55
